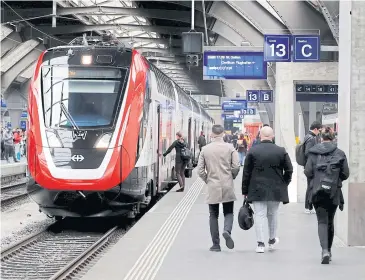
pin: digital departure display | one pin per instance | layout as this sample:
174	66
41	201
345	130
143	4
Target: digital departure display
234	65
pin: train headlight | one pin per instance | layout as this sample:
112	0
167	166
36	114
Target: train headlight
53	141
103	142
86	59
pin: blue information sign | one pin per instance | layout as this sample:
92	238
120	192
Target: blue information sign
23	125
249	111
234	105
24	114
266	96
277	48
233	117
3	103
307	48
252	95
234	65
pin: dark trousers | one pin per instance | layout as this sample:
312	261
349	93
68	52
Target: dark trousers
9	151
213	220
2	150
307	193
180	172
326	229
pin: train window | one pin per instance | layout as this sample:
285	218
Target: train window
81	102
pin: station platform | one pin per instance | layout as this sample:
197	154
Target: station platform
172	241
13	168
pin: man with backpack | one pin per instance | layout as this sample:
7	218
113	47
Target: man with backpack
326	169
302	150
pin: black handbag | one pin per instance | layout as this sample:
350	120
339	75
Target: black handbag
188	172
245	216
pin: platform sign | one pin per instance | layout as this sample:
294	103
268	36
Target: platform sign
252	95
3	103
266	96
234	105
233	118
23	125
238	65
249	112
307	48
277	48
315	88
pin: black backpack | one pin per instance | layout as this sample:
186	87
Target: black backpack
326	175
185	154
300	152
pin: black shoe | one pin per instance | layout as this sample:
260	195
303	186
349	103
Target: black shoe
229	240
325	257
180	190
215	248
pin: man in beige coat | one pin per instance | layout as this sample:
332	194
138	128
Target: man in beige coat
218	166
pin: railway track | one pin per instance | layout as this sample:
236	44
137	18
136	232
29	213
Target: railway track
55	256
13	194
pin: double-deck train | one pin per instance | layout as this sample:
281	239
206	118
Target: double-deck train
100	117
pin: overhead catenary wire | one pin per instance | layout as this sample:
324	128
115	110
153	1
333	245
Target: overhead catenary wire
31	25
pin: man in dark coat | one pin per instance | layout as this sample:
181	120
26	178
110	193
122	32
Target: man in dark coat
310	140
266	175
202	141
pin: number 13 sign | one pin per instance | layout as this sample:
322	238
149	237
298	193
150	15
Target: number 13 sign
277	48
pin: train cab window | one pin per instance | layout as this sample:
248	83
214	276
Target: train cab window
82	97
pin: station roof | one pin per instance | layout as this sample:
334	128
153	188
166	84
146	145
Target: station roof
154	28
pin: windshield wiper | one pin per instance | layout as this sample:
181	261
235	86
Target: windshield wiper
69	117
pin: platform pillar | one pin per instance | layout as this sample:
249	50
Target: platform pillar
350	224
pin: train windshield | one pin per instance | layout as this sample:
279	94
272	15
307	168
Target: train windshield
80	97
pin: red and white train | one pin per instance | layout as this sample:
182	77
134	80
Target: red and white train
100	117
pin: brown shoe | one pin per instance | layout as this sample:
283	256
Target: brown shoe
180	190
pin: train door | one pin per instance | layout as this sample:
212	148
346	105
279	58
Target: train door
195	141
189	134
159	148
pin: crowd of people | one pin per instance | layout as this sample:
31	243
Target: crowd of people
267	173
13	144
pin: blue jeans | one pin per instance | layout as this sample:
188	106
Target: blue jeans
242	156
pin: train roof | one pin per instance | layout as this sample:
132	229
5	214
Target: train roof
109	41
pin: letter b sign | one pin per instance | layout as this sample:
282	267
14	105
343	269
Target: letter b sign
266	96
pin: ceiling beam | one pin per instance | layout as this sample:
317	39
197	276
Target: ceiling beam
166	59
17	54
5	31
171	51
175	15
137	39
225	14
261	18
301	18
8	77
80	28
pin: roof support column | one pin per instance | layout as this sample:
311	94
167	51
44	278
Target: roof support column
351	112
54	12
